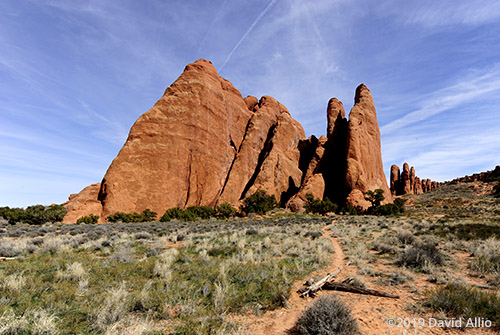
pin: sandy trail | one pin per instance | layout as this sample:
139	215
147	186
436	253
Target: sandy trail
371	312
282	321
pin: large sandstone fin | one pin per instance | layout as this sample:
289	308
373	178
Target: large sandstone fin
364	169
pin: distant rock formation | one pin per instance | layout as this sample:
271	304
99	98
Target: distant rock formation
408	183
491	175
203	144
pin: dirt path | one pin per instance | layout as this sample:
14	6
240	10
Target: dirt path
371	312
282	321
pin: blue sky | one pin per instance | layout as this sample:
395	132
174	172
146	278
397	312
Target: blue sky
75	75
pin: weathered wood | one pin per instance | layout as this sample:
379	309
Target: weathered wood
7	258
349	288
311	290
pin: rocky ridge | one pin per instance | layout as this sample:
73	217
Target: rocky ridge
202	143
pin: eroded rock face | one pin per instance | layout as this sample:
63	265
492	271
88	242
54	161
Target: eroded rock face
179	152
364	158
83	204
203	144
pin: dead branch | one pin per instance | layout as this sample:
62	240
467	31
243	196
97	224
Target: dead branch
354	289
311	290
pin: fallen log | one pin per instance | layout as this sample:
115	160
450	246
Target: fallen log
349	288
7	258
311	290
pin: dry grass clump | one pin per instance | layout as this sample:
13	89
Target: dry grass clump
36	322
113	308
13	283
73	272
486	257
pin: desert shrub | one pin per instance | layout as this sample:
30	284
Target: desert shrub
313	234
375	197
496	190
327	316
225	210
171	214
9	249
405	237
421	255
117	217
317	206
259	202
487	257
177	213
90	219
461	300
350	209
34	215
146	216
387	209
149	214
383	248
202	212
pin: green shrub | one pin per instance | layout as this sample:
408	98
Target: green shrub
146	216
90	219
149	214
259	202
202	212
327	316
375	197
461	300
350	209
317	206
34	215
225	210
178	213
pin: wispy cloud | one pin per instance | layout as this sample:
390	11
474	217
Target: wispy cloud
473	87
449	12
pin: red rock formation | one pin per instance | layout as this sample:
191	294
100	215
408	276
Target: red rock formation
203	144
408	182
395	176
412	180
490	175
364	170
83	204
405	179
418	186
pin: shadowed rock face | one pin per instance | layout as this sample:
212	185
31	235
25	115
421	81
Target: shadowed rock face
395	175
203	144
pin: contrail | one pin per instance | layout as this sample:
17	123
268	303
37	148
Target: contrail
247	32
211	27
